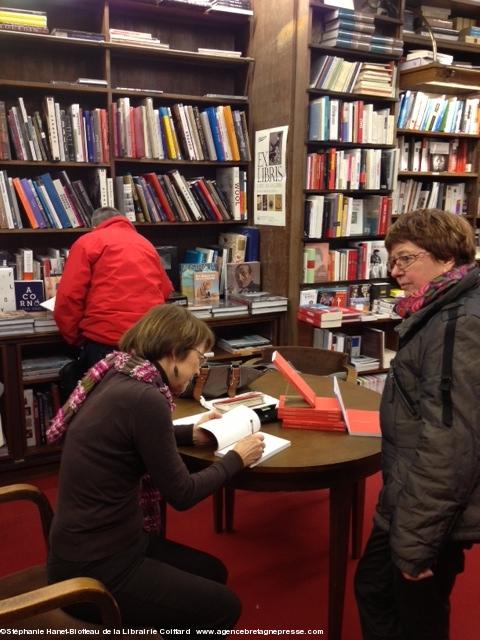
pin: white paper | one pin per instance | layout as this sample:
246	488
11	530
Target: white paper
48	304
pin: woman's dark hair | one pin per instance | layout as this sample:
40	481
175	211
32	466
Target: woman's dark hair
164	330
445	235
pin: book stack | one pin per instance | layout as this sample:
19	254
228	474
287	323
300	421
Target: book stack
15	322
320	315
307	411
228	53
348	29
261	302
245	345
46	366
43	322
421	57
14	19
137	38
243	7
376	78
75	34
438	19
226	308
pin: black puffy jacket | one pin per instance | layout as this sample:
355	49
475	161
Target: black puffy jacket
431	471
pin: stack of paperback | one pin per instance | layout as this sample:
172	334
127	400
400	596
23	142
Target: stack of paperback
139	38
245	345
309	411
13	322
75	34
336	74
14	19
43	322
226	308
47	366
232	6
261	302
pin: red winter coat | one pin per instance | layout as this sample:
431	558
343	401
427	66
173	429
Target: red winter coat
112	276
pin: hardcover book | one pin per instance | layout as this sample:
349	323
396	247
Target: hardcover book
29	295
243	277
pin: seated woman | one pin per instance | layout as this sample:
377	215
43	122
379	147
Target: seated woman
118	428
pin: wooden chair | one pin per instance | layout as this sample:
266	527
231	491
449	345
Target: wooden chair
28	602
317	362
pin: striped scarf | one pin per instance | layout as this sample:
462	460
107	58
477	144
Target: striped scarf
140	369
431	290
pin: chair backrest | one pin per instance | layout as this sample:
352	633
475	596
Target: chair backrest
26	601
320	362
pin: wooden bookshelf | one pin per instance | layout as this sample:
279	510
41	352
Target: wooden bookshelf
36	65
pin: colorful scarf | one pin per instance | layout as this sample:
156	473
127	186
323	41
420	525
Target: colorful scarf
140	369
431	290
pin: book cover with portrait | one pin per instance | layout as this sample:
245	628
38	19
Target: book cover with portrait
243	277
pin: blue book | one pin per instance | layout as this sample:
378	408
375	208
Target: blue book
55	199
39	216
215	128
45	206
29	294
253	243
404	108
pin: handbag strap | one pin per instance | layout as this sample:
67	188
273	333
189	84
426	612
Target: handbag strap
200	381
233	380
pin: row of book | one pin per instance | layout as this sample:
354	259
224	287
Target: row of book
44	202
430	154
361	260
179	132
71	134
171	197
333	119
449	114
40	406
333	73
352	169
336	215
346	28
414	194
26	322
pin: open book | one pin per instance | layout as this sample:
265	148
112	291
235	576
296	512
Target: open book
235	425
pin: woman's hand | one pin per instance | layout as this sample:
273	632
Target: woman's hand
428	573
250	449
200	436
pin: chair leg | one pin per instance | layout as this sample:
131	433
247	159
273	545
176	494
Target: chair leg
218	510
358	508
229	507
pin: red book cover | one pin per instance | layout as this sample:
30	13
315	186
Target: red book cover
209	199
26	204
155	184
359	410
139	140
104	135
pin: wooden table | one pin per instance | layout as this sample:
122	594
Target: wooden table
315	460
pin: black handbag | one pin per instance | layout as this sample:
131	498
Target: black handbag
217	380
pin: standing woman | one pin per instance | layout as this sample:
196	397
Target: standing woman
118	428
428	510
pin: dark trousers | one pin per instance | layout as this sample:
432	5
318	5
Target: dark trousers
91	352
393	608
169	586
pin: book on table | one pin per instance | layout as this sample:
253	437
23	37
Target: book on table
235	425
359	410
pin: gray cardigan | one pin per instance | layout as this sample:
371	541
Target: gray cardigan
431	471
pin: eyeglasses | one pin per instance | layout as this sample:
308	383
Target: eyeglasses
203	356
405	261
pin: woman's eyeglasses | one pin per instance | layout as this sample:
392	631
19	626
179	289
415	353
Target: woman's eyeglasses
405	261
203	356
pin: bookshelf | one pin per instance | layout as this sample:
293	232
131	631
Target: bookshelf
282	93
37	65
451	92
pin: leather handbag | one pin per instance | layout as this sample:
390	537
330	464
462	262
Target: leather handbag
217	380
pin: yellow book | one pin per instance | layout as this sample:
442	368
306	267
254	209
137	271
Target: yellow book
18	18
227	113
172	154
339	222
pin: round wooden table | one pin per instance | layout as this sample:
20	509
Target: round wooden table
315	460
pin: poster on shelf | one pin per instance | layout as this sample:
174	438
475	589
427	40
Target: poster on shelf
270	176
